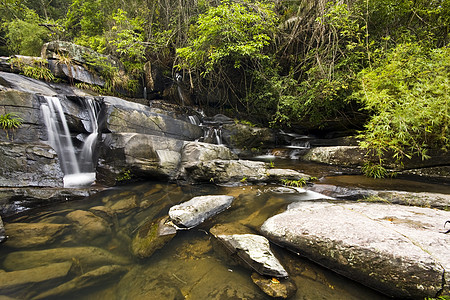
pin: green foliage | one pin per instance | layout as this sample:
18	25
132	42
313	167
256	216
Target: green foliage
374	170
408	97
124	175
232	33
85	18
10	122
297	183
25	36
38	70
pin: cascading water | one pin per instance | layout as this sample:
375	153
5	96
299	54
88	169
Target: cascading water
77	171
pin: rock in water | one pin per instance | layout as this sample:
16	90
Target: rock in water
87	258
88	279
254	251
151	236
89	226
193	212
277	288
23	235
398	250
17	282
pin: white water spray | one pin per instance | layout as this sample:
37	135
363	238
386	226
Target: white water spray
60	139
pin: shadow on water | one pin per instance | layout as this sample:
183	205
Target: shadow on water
188	267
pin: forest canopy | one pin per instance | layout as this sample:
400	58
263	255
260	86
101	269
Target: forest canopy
381	66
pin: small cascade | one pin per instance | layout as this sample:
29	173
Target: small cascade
194	120
79	170
213	135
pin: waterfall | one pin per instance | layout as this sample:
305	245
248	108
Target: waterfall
77	171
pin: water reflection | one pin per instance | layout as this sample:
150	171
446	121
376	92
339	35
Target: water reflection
188	267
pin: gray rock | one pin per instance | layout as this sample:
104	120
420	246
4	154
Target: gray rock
29	165
398	250
24	235
423	199
224	171
87	258
88	226
241	136
151	236
143	155
123	116
74	72
255	252
86	280
25	282
193	212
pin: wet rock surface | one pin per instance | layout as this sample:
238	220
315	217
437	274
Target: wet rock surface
86	280
435	200
88	226
19	282
25	235
193	212
151	236
254	250
86	257
398	250
3	236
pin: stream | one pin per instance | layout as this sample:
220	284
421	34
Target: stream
192	265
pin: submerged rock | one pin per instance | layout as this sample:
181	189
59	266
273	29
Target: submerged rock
276	288
24	282
151	236
254	251
398	250
193	212
95	277
89	226
24	235
87	258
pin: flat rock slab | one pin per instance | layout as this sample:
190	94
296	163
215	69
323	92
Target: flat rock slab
88	279
23	235
193	212
86	257
19	281
398	250
254	250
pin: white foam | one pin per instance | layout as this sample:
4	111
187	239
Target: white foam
79	180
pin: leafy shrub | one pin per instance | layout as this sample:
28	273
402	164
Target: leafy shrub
408	96
10	122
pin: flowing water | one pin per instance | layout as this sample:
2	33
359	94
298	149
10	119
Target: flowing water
190	266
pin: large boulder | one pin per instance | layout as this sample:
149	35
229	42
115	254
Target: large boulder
246	137
124	116
224	171
193	212
398	250
141	155
29	165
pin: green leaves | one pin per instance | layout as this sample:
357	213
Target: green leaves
232	32
408	95
10	122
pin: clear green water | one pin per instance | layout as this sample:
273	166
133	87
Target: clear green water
189	266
